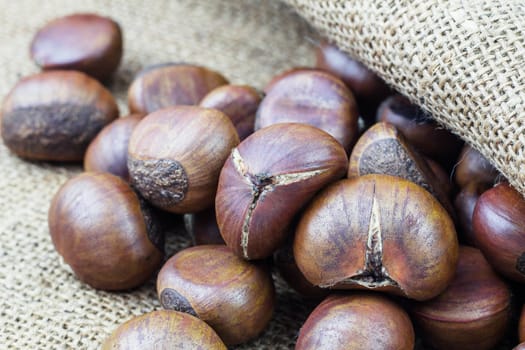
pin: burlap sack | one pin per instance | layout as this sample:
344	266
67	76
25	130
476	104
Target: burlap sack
42	304
461	60
464	72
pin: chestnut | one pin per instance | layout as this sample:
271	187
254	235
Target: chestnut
357	321
464	204
377	232
84	42
164	329
175	156
239	102
105	232
443	178
235	297
498	224
472	166
472	313
382	149
171	84
108	152
202	227
312	97
369	90
420	130
54	115
267	179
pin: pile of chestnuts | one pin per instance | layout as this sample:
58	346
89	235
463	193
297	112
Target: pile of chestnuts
327	176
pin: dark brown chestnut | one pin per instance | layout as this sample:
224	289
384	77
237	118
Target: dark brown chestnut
84	42
498	224
465	203
473	167
170	84
377	232
175	156
357	321
105	232
163	330
202	227
311	97
267	179
108	152
472	313
521	325
382	149
54	115
367	87
239	102
421	130
235	297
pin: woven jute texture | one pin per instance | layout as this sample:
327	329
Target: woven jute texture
42	304
462	60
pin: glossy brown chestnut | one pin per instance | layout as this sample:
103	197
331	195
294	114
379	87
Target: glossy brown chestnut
105	232
108	152
235	297
164	330
357	321
311	97
377	232
202	227
465	203
498	223
267	179
382	149
367	87
55	115
84	42
239	102
420	130
171	84
472	313
473	167
175	156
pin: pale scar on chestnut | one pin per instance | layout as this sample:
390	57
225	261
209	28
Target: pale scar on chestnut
162	181
373	274
261	185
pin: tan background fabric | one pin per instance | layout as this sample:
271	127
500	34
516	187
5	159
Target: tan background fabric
462	60
42	304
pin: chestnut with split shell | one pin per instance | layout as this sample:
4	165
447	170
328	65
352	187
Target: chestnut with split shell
377	232
267	179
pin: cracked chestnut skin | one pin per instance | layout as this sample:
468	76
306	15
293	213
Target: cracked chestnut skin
164	330
267	179
498	224
175	156
235	297
377	232
357	321
311	97
104	231
84	42
472	313
54	115
171	84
